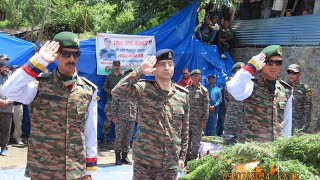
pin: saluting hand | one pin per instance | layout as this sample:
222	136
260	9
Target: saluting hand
259	60
48	51
148	65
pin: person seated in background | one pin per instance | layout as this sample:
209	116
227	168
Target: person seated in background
204	32
226	39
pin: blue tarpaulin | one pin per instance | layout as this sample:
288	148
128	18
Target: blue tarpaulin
18	51
176	33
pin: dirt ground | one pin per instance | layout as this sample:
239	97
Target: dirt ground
17	157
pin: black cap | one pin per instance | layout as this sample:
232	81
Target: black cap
116	62
164	54
3	63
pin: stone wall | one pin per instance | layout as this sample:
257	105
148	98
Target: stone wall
309	60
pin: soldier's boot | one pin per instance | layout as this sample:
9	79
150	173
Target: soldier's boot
118	158
125	159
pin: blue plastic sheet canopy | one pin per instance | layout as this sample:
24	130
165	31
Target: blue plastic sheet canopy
18	51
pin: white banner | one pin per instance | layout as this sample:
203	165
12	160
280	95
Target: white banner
130	50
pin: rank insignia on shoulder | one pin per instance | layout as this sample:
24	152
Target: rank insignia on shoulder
309	93
97	98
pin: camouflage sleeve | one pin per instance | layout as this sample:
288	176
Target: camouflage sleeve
308	107
129	86
115	107
231	126
105	87
206	101
185	131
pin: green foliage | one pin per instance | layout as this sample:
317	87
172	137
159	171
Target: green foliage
298	155
214	139
5	24
305	148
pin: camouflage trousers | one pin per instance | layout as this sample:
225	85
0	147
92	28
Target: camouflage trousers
195	135
124	130
108	119
145	172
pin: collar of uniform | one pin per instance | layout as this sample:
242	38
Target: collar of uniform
115	75
199	85
68	82
173	87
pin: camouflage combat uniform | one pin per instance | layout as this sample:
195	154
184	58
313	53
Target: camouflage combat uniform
126	111
302	106
234	120
163	118
199	111
109	83
263	111
67	136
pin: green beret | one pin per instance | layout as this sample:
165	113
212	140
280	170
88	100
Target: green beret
195	71
294	68
67	40
236	66
273	50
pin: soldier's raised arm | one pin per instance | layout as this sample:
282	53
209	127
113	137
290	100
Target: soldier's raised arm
129	86
20	86
241	86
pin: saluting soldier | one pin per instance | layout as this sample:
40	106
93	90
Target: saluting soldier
63	139
199	112
302	99
265	110
162	139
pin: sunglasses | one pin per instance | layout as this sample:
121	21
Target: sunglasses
185	73
292	73
270	62
67	54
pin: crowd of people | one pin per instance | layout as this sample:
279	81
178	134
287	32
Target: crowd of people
214	29
171	118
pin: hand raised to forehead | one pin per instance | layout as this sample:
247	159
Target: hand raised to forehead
147	65
48	51
259	60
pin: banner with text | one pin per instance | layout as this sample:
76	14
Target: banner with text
130	50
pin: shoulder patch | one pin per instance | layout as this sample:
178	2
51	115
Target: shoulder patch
286	85
181	88
89	82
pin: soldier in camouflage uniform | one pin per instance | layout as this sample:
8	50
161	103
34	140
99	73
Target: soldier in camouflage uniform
63	140
109	83
302	99
266	113
199	112
162	139
124	113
